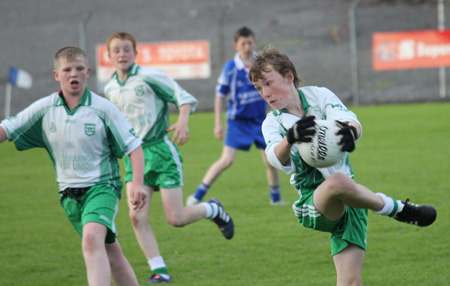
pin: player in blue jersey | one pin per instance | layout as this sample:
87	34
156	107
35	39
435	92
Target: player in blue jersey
246	112
84	134
330	200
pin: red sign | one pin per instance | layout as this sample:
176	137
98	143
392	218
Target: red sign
181	60
411	50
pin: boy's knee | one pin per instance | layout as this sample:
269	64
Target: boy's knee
226	162
176	221
340	183
136	218
90	242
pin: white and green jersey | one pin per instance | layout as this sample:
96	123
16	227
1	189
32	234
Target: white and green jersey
83	143
143	98
324	105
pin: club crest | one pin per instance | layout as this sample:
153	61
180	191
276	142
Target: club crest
52	127
139	90
89	129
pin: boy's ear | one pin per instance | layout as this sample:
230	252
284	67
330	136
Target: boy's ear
289	77
55	74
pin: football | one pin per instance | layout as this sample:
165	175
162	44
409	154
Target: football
323	151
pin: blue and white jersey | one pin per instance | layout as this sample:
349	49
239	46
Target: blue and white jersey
244	102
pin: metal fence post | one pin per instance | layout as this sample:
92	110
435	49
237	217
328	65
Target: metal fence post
353	52
441	25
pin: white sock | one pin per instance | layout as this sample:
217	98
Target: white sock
156	262
211	210
391	207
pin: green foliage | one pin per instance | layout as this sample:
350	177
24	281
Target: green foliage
404	152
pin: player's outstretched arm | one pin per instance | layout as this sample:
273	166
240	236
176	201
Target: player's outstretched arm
181	127
138	196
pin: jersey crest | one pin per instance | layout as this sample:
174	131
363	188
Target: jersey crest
52	127
139	90
89	129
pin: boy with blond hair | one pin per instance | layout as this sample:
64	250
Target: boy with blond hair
84	135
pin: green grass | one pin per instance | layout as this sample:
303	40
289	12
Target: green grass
404	152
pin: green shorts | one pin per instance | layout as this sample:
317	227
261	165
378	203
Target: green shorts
351	228
99	204
163	165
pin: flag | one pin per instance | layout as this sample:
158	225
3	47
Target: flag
20	78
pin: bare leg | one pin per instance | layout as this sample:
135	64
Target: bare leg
348	265
214	171
176	214
142	229
95	256
121	271
337	191
330	199
225	161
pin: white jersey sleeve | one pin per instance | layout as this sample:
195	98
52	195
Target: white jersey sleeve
273	133
25	129
167	88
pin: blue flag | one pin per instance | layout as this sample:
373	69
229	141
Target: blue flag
20	78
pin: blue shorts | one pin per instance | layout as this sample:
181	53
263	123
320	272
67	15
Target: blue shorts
242	133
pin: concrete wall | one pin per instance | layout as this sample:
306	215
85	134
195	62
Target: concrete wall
313	33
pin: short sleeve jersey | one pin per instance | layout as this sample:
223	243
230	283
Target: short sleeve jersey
143	99
324	105
84	143
244	102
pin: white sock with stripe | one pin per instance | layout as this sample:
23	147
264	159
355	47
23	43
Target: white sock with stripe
158	266
391	207
211	210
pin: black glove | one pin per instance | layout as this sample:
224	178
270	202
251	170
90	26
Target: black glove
301	131
349	134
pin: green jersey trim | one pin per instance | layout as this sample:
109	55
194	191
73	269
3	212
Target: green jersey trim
132	71
305	105
86	100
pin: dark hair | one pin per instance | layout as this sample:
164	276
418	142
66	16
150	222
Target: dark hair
243	32
271	59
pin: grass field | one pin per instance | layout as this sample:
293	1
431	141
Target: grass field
404	152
